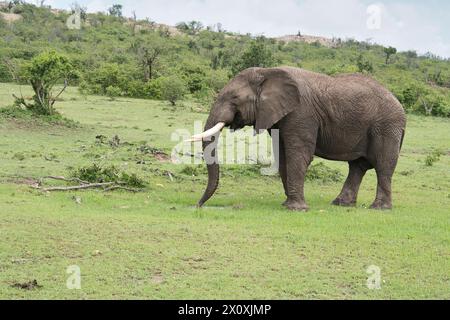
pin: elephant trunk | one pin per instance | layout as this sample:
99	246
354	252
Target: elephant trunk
211	158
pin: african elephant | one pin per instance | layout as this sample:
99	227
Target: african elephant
348	118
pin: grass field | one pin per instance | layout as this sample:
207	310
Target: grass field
157	245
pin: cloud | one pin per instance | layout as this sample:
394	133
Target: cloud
409	25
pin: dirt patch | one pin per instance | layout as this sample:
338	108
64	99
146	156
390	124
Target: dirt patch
158	154
158	279
31	285
162	157
10	17
26	181
326	42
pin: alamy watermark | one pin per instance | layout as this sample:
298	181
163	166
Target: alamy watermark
374	279
74	280
233	147
74	20
374	16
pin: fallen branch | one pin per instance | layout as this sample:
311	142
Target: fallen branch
81	187
60	178
106	186
122	188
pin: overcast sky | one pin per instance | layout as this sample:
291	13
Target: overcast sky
405	24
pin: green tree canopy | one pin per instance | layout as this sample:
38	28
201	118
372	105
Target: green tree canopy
256	55
44	72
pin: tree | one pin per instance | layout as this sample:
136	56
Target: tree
364	65
77	8
191	27
108	74
115	10
45	71
389	52
148	52
256	55
411	56
173	88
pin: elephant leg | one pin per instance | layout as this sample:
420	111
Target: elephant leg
283	169
383	201
280	159
385	161
298	157
349	193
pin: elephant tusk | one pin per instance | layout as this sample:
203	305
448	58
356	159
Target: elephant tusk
208	133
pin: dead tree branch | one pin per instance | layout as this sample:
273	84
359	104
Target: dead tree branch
106	186
80	187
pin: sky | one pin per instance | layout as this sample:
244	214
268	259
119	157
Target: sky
418	25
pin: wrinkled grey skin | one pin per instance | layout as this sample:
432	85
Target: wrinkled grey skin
345	118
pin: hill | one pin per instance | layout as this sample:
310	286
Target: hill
132	57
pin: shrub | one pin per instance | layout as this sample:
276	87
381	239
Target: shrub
364	65
173	88
206	96
107	75
321	172
217	79
98	174
19	113
410	95
194	75
256	55
83	88
153	89
433	157
113	92
433	104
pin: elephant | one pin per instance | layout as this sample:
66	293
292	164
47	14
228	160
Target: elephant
349	117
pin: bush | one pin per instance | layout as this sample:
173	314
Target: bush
98	174
107	75
194	75
217	79
321	172
433	104
83	88
256	55
173	88
364	65
19	113
113	92
410	95
433	157
153	89
206	96
5	75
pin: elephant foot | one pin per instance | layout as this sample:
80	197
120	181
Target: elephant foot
379	205
296	206
343	203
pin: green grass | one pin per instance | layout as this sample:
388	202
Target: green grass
157	245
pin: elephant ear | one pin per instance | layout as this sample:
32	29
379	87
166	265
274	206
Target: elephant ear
277	97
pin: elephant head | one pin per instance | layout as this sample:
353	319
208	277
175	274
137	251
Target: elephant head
256	97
